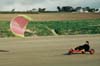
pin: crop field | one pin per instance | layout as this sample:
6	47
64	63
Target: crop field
53	16
52	28
48	51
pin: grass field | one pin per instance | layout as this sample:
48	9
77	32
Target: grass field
45	24
52	28
48	51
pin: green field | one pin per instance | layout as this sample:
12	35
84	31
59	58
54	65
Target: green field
48	51
50	28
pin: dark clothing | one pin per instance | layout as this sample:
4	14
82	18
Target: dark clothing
86	47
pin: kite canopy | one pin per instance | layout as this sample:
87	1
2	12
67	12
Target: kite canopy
18	25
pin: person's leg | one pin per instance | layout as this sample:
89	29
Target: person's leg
76	48
79	48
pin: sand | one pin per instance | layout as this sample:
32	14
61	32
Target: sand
48	51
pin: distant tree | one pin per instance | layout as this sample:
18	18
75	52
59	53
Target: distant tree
92	10
67	8
59	9
87	8
96	9
12	10
41	9
34	10
78	8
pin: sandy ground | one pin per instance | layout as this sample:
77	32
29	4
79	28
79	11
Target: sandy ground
48	51
53	16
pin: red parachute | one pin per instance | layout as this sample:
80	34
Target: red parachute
18	25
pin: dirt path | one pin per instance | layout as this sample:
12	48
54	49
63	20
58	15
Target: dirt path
53	16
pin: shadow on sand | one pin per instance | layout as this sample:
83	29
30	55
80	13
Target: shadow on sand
4	51
76	54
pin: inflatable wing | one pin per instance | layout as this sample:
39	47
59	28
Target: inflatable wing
18	25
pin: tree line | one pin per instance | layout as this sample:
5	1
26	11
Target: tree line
59	9
77	9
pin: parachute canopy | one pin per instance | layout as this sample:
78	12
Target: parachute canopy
18	25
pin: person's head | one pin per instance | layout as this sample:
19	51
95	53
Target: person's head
87	42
